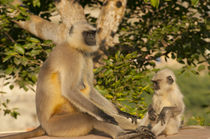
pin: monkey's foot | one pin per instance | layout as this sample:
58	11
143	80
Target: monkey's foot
128	135
144	133
141	132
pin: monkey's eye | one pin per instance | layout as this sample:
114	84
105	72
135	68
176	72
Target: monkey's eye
170	80
91	34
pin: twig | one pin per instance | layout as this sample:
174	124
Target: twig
9	37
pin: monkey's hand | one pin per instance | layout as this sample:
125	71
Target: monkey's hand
162	115
107	118
141	132
128	116
152	114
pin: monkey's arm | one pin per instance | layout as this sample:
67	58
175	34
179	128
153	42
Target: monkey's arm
107	106
152	115
85	105
127	115
125	120
168	111
102	102
149	116
71	91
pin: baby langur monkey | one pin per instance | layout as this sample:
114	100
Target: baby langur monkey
165	113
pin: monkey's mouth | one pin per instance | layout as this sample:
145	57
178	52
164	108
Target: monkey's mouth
156	87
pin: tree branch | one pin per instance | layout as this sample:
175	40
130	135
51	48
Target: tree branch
44	29
71	12
109	19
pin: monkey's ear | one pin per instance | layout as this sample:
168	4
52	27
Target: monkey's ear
170	80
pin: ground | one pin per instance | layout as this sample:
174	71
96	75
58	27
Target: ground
191	133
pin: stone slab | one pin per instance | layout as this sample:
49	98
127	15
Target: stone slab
187	133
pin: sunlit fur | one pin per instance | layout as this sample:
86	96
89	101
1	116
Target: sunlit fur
76	39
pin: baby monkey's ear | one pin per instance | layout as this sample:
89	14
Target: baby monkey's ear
170	80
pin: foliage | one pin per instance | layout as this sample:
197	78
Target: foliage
155	3
122	82
168	28
4	107
173	29
21	54
146	34
196	91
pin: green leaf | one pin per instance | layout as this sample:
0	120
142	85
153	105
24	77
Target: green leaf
17	61
14	114
6	111
11	87
24	61
194	2
9	70
19	49
11	53
36	3
6	58
155	3
35	52
35	40
2	92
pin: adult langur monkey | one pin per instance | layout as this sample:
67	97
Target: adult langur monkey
165	113
66	102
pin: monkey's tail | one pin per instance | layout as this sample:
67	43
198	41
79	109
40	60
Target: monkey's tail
193	127
39	131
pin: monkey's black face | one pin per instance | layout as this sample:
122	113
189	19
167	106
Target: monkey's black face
156	85
89	37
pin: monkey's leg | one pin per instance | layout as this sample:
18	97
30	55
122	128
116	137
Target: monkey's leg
107	128
68	125
118	133
162	122
159	128
175	121
173	126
